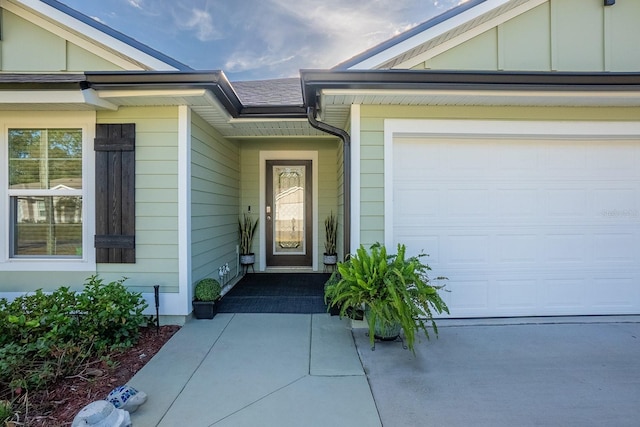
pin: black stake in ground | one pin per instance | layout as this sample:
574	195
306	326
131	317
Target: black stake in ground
156	294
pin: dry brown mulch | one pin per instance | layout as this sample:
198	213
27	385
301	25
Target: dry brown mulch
58	406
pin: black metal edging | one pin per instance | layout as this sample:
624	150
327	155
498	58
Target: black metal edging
346	160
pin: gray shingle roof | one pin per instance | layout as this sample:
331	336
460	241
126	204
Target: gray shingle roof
41	78
269	92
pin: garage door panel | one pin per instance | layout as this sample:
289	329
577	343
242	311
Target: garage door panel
615	293
466	250
615	203
565	249
614	249
566	202
565	295
513	294
517	250
515	202
467	202
470	296
525	228
465	155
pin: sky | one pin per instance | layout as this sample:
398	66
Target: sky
261	39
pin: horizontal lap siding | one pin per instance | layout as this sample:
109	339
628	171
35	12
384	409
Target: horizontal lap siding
156	199
215	193
372	144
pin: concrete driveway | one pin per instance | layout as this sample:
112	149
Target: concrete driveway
514	372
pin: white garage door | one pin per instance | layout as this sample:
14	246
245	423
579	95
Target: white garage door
523	227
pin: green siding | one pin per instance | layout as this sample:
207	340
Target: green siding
372	144
215	194
479	53
156	199
328	189
622	26
525	41
27	47
560	35
578	43
79	59
30	281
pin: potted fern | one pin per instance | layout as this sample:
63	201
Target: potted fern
331	238
395	291
247	229
206	294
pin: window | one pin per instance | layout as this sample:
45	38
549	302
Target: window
45	192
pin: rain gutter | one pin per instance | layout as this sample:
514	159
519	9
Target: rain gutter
214	81
346	160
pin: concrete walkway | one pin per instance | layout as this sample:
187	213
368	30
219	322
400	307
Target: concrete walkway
581	372
257	370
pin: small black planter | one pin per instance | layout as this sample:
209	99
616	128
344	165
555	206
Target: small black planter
204	309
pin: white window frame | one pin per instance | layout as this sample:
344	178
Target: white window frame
85	120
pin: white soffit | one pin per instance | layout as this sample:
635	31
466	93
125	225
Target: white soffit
331	97
84	35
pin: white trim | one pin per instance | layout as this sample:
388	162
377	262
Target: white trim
395	128
355	176
430	33
180	303
287	155
69	28
86	120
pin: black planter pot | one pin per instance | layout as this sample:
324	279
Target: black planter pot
247	259
204	309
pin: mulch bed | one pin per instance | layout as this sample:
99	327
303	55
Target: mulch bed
58	406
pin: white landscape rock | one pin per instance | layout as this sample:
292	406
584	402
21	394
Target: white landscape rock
127	398
101	414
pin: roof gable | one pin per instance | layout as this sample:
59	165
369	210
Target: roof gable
523	35
86	36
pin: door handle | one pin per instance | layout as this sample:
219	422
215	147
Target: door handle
268	209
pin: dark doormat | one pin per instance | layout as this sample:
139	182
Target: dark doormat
300	293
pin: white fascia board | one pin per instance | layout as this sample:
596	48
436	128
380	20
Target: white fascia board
91	98
38	97
136	93
42	97
62	20
430	33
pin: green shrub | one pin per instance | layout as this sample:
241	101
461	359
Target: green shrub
207	289
110	314
47	336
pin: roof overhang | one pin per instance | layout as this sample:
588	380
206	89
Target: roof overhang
331	91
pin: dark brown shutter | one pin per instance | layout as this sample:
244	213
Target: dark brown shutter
115	193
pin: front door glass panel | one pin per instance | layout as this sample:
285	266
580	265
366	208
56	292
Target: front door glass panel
289	210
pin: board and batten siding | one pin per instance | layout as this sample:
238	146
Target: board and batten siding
156	199
559	35
27	47
327	179
372	144
215	197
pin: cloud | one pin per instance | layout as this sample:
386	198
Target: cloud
201	22
135	3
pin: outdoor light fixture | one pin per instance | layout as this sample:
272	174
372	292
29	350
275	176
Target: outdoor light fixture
609	2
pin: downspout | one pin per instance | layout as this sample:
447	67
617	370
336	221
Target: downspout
346	147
